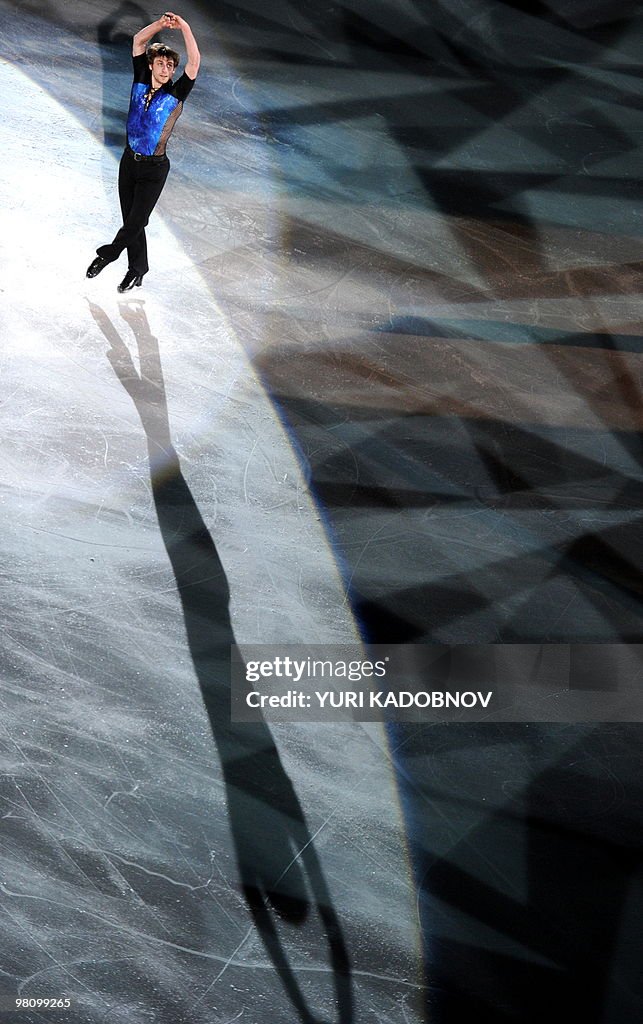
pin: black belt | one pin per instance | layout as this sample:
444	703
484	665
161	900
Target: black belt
147	159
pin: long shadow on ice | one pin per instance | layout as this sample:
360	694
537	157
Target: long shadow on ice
277	861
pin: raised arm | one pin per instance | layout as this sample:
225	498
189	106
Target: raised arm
142	38
192	50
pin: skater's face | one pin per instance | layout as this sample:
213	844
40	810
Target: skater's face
162	69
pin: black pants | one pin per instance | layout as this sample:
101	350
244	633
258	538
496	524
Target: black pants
140	183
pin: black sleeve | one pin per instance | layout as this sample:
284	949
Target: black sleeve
183	87
141	68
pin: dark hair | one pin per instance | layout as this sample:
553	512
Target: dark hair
161	50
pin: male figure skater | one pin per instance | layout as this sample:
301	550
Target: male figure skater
156	103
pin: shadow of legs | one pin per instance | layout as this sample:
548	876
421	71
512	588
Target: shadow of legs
278	865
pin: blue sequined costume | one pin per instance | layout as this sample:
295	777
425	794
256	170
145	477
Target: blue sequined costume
149	129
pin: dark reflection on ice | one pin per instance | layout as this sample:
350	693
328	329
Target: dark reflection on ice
278	865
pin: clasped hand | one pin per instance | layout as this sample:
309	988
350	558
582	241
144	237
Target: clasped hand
170	20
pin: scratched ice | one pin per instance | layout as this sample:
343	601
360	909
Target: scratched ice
120	879
393	269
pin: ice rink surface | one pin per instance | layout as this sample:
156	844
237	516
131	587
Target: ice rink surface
382	383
